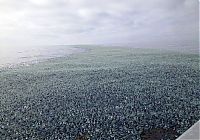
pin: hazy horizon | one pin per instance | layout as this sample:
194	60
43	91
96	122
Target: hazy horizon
98	69
138	22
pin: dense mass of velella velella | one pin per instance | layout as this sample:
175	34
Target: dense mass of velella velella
106	93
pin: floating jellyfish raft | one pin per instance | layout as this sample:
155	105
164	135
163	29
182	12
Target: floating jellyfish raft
104	93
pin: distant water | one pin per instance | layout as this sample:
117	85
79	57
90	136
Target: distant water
11	56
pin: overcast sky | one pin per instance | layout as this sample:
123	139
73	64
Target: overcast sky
98	21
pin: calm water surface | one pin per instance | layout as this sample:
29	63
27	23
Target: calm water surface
11	56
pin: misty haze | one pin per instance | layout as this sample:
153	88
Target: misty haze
99	69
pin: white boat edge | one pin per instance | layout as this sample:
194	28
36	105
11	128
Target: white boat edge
193	133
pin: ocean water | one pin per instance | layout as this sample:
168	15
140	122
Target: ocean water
107	92
24	55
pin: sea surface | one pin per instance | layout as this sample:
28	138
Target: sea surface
25	55
103	93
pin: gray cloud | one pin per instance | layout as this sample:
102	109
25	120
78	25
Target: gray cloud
98	21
